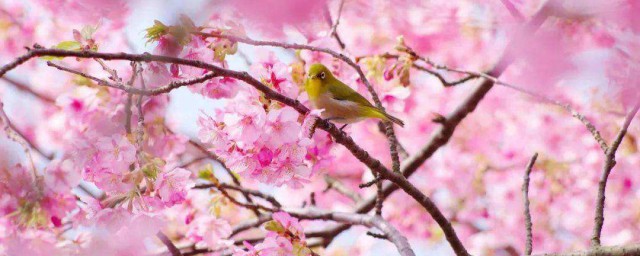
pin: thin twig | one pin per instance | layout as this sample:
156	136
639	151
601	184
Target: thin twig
25	88
114	75
216	158
610	162
341	188
379	194
252	192
527	213
16	135
151	92
376	235
369	183
334	25
513	10
167	242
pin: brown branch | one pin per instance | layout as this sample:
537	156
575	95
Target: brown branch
574	113
251	224
17	136
252	192
444	81
167	242
401	242
527	213
341	188
628	250
334	26
149	92
375	235
25	88
193	161
610	162
513	10
379	194
217	158
128	113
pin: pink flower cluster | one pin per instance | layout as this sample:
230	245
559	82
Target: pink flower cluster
285	236
268	147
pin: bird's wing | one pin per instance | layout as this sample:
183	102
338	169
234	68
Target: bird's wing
343	92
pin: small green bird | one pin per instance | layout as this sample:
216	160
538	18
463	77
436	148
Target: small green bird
341	104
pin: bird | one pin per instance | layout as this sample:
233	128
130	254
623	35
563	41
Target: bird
341	104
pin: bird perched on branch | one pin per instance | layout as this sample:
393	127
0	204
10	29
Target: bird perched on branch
341	104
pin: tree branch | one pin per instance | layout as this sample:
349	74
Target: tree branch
628	250
610	162
334	26
27	89
527	213
252	192
149	92
341	188
170	246
394	236
513	10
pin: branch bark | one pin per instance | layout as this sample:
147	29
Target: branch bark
167	242
527	213
610	162
629	250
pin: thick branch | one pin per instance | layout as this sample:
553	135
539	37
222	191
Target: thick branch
527	213
392	234
610	162
629	250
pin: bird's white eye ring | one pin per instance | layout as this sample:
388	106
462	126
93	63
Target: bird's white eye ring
321	75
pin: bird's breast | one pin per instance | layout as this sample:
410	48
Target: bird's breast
342	111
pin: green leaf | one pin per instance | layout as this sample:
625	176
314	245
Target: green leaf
69	45
274	226
65	45
300	249
207	174
156	31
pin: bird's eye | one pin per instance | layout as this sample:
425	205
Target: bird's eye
321	75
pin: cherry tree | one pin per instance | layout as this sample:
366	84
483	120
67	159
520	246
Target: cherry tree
519	135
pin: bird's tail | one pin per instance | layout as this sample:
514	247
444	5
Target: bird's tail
384	116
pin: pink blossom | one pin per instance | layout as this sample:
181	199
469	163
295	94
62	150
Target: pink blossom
61	176
247	123
210	231
283	127
172	186
116	150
